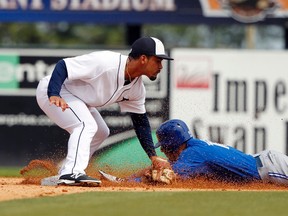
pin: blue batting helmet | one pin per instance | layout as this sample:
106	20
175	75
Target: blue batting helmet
172	134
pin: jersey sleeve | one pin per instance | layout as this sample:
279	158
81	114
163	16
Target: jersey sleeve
57	79
143	131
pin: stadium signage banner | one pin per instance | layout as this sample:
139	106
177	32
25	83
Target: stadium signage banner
88	5
239	98
144	11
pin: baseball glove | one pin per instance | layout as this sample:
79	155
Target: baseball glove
166	176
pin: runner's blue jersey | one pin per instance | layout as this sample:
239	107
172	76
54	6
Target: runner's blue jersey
212	159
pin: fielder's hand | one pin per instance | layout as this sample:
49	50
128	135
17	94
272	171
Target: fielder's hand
159	163
59	102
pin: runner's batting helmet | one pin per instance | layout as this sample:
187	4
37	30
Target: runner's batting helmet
172	134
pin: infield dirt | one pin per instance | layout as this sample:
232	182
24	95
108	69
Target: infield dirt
20	188
29	185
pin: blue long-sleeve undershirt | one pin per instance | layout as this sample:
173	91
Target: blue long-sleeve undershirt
58	77
143	131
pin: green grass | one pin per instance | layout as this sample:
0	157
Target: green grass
10	171
196	203
216	203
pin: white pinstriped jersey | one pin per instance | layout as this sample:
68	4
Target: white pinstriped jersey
97	79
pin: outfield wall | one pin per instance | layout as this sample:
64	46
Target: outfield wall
234	97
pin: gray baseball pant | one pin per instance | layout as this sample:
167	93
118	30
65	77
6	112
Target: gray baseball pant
272	167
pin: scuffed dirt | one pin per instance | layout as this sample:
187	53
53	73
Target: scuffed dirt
28	186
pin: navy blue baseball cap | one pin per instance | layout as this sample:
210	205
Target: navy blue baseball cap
149	46
172	134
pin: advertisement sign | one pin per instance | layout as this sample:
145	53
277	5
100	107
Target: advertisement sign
234	97
27	133
247	11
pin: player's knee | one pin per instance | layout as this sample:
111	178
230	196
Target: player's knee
90	128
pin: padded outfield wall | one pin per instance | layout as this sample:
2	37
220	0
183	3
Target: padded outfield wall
234	97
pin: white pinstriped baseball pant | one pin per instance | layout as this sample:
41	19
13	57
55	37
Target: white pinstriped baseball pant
85	125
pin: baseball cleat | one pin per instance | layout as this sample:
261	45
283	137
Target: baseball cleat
110	178
78	179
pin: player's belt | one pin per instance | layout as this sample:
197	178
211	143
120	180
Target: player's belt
258	161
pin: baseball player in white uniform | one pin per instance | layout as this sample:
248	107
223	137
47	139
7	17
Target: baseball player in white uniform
79	85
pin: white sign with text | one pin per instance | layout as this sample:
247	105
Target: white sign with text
235	97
